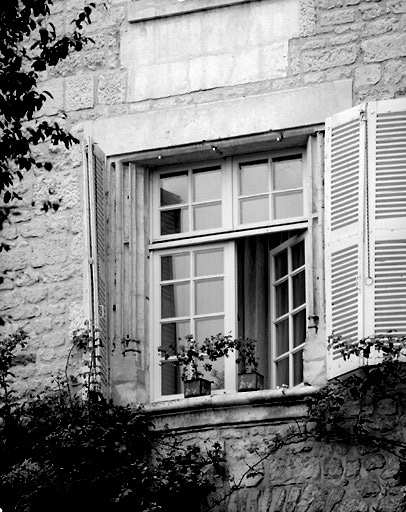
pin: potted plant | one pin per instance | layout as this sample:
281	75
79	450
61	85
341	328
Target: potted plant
190	356
248	377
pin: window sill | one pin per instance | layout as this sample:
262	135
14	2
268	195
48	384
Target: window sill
231	409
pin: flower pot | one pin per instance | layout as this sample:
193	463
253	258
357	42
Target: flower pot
253	381
197	387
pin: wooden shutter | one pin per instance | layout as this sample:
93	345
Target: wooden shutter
98	261
385	251
344	206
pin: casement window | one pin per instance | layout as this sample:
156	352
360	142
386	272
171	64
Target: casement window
229	250
365	232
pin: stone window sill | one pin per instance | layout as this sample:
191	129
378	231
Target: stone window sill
231	409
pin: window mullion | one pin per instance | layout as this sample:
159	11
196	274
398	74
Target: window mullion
290	302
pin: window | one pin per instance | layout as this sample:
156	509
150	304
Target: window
229	250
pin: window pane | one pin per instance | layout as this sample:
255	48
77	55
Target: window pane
288	205
209	296
206	185
298	255
254	209
298	368
209	262
207	216
282	337
282	372
299	289
287	174
174	334
175	267
281	299
206	327
299	328
281	264
253	178
171	383
175	300
174	188
174	221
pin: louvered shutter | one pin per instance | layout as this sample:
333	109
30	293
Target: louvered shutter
98	260
344	200
386	218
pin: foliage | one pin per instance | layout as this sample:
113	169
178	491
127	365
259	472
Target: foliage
59	451
28	46
194	357
345	406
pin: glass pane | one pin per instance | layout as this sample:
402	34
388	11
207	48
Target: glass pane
299	328
175	267
254	209
174	188
216	375
174	221
288	205
171	383
298	255
209	296
298	368
175	300
253	178
287	174
174	334
282	372
281	264
207	216
281	299
299	289
206	185
282	337
206	327
209	262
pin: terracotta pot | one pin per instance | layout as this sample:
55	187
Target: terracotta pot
197	387
253	381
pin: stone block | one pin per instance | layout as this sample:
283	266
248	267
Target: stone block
94	61
45	355
54	339
334	468
370	11
14	259
79	92
366	76
56	309
292	499
396	6
353	467
338	17
384	48
353	505
319	60
379	27
10	299
112	87
33	229
334	497
36	294
307	19
56	273
69	66
27	278
26	312
42	325
49	251
55	104
367	487
374	461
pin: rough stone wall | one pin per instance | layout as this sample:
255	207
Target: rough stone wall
310	476
44	287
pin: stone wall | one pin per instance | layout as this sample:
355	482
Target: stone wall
146	64
302	475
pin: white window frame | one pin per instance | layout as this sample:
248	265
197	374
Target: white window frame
224	236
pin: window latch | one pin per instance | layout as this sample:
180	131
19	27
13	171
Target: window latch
315	320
